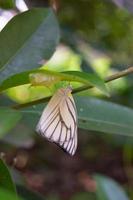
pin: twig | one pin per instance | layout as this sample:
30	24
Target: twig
79	89
108	79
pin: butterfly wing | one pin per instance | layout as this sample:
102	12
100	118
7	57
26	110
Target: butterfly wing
58	122
49	117
69	118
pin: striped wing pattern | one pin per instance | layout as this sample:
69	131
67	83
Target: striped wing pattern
58	122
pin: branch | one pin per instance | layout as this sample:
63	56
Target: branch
108	79
79	89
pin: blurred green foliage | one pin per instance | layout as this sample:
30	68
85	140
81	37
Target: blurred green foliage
8	4
103	25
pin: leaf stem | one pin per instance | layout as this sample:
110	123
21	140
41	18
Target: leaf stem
79	89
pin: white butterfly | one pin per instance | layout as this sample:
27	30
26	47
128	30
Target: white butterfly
58	122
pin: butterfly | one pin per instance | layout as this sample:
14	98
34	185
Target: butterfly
58	122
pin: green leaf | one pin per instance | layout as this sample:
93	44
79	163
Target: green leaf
47	77
99	115
6	181
108	189
32	115
20	136
25	78
8	119
27	41
15	80
92	79
7	195
95	114
8	4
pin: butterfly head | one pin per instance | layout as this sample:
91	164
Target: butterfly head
66	91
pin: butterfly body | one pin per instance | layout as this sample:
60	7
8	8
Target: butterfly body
58	122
